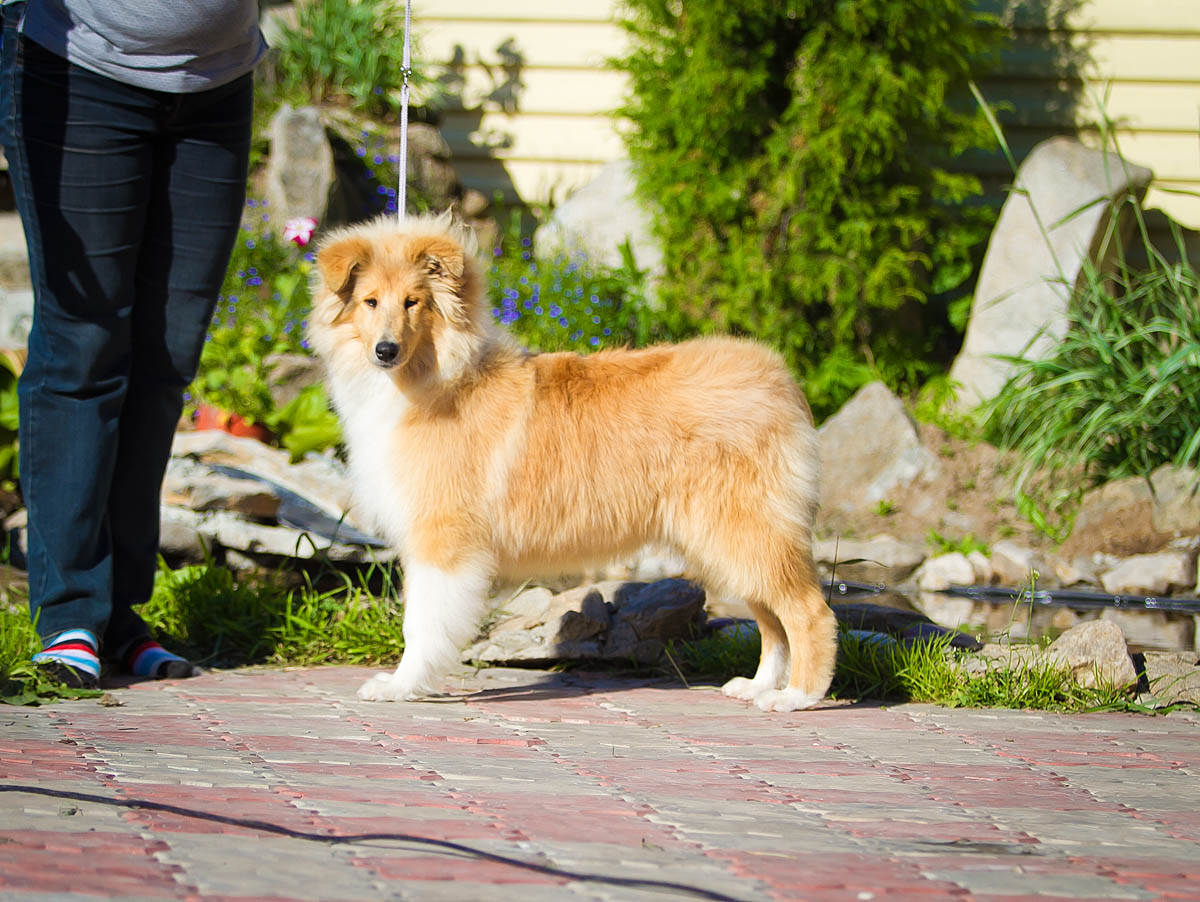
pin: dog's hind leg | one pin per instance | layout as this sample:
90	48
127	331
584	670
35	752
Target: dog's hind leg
811	630
772	670
442	612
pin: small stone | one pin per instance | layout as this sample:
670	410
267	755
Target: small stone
945	570
881	559
1096	653
982	566
1150	574
1013	565
1176	499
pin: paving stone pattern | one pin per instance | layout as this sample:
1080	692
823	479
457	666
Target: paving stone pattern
524	785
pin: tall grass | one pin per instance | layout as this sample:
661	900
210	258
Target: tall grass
1119	394
215	617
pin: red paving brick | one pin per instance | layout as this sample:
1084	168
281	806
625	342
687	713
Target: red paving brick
596	780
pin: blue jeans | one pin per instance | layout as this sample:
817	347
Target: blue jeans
131	201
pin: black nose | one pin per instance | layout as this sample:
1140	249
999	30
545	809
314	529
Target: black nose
386	351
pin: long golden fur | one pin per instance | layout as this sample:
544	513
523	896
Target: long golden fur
478	460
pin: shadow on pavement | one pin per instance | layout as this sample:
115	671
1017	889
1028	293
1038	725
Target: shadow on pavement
441	845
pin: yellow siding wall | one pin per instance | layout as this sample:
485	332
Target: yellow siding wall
534	116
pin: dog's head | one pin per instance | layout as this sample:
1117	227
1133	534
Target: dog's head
405	297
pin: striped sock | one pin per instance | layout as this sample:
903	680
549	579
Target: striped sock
148	658
77	649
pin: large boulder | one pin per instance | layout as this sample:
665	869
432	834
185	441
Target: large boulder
1096	653
607	621
1045	234
299	172
598	218
869	450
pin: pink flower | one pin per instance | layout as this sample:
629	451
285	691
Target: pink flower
299	230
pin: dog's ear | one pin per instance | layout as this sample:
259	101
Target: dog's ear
338	260
444	264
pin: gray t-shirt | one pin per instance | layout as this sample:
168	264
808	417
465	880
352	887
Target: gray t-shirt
179	46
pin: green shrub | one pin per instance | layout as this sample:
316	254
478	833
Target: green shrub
798	155
346	51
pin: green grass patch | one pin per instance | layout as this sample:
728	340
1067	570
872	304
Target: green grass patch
21	681
215	618
212	616
929	672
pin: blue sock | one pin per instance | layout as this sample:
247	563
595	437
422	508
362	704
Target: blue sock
77	649
148	658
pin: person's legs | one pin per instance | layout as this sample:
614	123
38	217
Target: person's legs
79	159
197	194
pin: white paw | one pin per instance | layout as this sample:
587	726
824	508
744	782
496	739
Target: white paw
742	687
785	700
384	687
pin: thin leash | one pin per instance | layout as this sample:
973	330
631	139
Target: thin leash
406	72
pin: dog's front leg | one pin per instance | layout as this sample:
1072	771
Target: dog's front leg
443	609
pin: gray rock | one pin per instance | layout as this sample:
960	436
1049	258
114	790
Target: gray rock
430	171
14	256
299	172
869	450
611	620
290	374
1020	301
201	489
944	571
598	218
666	609
16	317
1176	499
1172	677
1151	574
1014	565
227	530
982	566
1096	653
882	559
1002	655
321	482
179	541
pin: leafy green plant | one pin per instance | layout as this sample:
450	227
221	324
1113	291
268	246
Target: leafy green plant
260	313
798	157
306	423
944	545
10	370
348	51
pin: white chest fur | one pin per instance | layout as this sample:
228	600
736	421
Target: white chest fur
371	406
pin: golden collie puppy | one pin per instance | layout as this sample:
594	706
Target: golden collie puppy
479	460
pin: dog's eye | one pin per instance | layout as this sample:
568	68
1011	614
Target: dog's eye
409	303
371	302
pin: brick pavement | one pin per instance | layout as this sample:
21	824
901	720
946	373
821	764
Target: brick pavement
279	785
